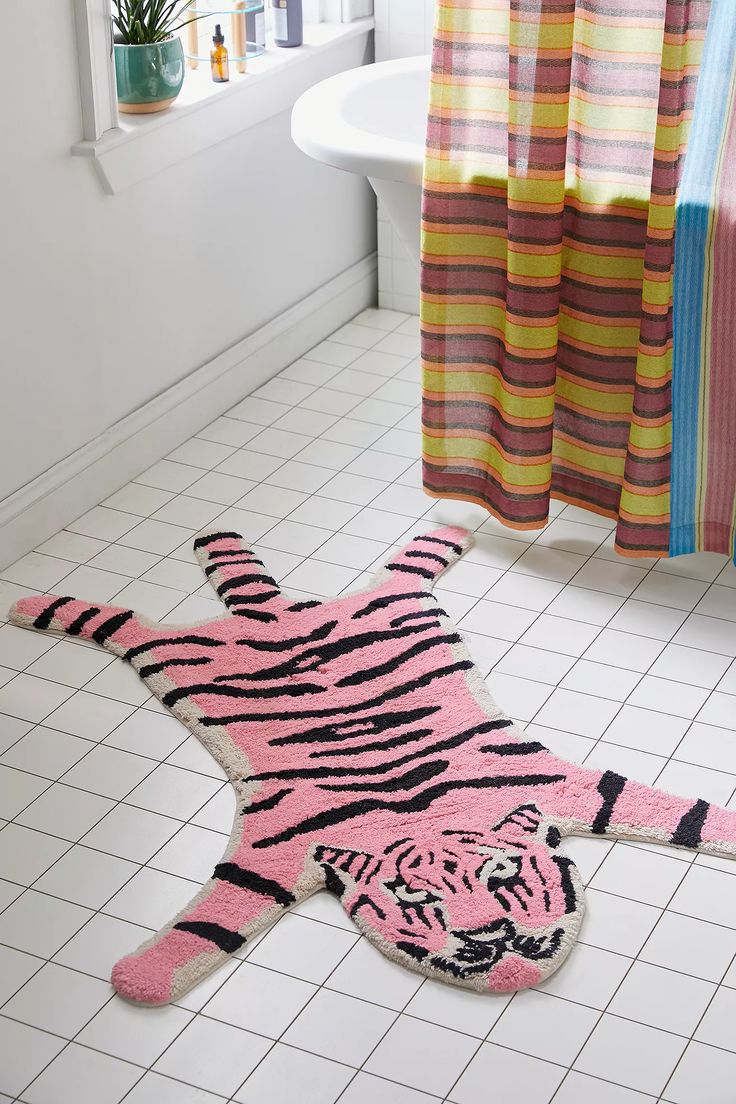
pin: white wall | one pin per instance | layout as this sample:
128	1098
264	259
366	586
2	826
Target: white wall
106	301
403	29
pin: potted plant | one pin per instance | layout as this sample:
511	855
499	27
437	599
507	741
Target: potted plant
149	58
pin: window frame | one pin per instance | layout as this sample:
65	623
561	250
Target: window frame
98	95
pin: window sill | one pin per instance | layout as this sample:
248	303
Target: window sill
205	113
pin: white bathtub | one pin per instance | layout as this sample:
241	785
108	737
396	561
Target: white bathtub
372	121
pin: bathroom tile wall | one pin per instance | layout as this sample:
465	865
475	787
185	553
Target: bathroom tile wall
403	29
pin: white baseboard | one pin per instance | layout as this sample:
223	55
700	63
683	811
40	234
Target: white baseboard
36	511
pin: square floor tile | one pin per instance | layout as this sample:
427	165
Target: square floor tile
109	772
19	648
368	974
65	812
134	834
578	713
46	752
86	877
303	948
132	1033
689	944
58	1000
339	1027
69	664
631	1054
78	1073
213	1056
662	998
88	715
154	1088
366	1088
544	1026
580	1088
31	699
706	894
704	1075
458	1009
99	944
588	976
25	1052
284	1068
39	924
173	792
155	735
422	1055
640	875
513	1077
192	853
24	854
716	1026
16	968
18	790
259	1000
615	923
151	898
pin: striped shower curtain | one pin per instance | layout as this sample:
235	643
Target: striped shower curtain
556	144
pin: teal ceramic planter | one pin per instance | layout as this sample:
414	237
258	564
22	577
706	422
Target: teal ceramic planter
149	78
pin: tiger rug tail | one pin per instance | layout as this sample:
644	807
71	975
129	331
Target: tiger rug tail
368	758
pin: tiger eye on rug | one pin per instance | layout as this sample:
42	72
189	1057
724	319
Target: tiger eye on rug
369	758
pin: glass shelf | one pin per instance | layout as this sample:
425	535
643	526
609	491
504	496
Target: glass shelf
197	36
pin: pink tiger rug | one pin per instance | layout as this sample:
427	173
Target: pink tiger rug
369	758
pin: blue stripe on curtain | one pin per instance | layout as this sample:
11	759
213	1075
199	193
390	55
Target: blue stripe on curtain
692	228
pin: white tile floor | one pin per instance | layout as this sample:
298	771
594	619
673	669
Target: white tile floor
111	816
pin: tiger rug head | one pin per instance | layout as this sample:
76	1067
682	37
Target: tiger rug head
487	909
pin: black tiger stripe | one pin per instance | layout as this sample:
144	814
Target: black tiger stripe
296	690
398	661
77	625
609	787
44	619
222	553
408	570
426	556
435	612
228	941
387	599
456	548
313	658
211	568
522	747
407	781
299	606
161	642
245	580
156	668
361	726
253	615
108	628
416	803
446	744
689	832
377	745
250	599
268	802
211	538
256	883
294	642
306	714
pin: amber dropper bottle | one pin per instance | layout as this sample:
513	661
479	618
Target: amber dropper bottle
218	58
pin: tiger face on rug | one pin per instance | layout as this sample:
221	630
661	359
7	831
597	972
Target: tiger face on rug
368	758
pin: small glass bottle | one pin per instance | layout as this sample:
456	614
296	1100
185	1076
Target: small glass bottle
287	22
218	58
